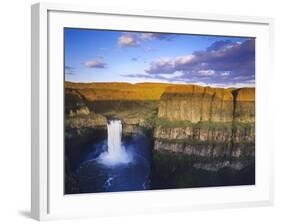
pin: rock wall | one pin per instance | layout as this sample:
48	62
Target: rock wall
195	103
206	141
220	133
222	121
244	105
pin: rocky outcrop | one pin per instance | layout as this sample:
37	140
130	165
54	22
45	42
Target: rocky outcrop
222	121
215	133
196	103
244	105
87	124
95	120
216	166
79	111
215	140
132	130
205	149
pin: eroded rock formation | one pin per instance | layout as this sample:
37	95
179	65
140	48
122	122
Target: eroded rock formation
221	121
190	119
196	103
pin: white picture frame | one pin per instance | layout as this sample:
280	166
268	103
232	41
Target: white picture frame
47	199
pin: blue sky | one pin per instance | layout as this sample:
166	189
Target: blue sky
117	56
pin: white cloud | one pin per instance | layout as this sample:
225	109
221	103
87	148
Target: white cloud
183	59
127	40
151	36
133	39
162	66
96	63
225	73
206	72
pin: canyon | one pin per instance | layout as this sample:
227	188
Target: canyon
185	128
188	119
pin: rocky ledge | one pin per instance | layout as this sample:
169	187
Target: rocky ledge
196	103
204	121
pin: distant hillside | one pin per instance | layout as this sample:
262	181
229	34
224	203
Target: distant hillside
117	91
141	91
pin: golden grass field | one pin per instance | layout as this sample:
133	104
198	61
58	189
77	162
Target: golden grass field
145	91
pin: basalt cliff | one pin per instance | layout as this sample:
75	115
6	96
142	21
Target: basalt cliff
206	121
186	119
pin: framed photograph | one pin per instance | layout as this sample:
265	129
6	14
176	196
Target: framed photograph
148	111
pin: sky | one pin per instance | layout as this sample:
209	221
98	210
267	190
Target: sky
122	56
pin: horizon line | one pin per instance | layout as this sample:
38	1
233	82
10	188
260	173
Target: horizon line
196	84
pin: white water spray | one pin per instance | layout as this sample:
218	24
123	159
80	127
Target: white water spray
114	134
116	153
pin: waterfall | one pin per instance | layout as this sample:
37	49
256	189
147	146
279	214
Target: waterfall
116	152
114	135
